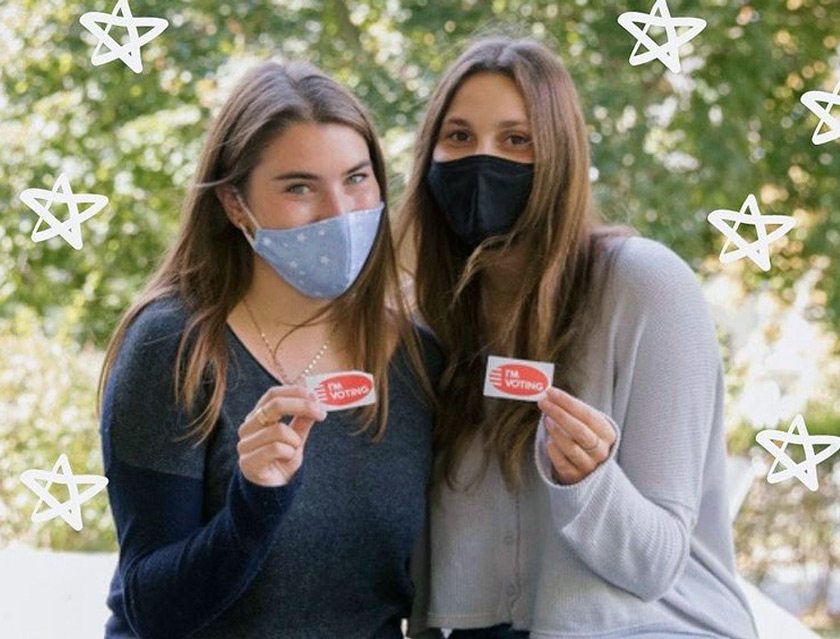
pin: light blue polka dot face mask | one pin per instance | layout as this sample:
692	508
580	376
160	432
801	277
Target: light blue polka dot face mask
322	259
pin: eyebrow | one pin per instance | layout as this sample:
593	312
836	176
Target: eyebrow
301	175
504	124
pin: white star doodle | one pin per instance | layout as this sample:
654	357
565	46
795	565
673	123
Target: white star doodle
129	52
758	251
70	511
659	16
805	471
820	104
40	201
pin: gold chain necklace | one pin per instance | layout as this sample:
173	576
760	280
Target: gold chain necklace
273	351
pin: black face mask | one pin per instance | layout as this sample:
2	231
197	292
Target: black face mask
480	195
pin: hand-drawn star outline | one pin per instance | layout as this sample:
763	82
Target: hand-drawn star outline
758	251
659	16
805	471
129	52
815	100
40	201
70	511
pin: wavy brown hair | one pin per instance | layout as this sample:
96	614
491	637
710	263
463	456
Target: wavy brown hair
210	264
555	301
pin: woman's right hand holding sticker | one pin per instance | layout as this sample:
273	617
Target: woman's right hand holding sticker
579	437
271	451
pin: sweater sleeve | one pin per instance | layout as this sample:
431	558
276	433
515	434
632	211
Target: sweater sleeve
642	502
178	569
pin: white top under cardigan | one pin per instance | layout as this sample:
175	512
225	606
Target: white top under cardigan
642	547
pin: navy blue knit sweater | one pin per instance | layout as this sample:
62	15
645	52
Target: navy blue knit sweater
205	553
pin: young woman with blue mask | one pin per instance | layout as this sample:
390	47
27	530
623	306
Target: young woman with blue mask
600	511
242	508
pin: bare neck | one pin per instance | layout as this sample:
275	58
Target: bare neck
267	330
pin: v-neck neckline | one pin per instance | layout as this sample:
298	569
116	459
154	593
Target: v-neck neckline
397	351
253	357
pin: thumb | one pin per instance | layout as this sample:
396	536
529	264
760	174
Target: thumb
302	426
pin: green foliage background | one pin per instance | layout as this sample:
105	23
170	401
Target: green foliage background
135	137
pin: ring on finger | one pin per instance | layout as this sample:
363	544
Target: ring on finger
593	447
261	416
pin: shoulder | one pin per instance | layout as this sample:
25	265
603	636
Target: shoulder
648	273
641	261
160	320
148	349
143	418
653	295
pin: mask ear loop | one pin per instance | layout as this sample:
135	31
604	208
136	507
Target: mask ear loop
251	240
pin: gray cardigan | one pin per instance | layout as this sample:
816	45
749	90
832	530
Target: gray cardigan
642	547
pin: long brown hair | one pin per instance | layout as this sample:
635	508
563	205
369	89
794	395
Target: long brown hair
554	304
210	264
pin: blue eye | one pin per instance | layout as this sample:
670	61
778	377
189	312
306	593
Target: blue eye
358	178
297	189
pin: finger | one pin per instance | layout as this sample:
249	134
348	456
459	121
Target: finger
275	408
581	459
257	420
253	423
551	409
583	412
294	390
559	405
302	427
581	433
564	470
279	401
274	433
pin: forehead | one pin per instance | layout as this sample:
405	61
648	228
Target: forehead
488	96
316	148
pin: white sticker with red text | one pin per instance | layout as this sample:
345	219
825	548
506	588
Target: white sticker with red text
343	390
520	379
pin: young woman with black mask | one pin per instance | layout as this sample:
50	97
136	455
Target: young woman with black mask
600	511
